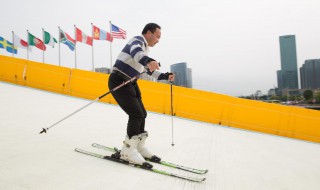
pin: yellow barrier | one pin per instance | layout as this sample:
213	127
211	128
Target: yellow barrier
33	74
12	70
47	77
288	121
87	84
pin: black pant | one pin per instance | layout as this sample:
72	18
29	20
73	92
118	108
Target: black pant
129	99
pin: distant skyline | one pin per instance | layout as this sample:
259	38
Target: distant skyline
231	46
310	74
183	74
288	75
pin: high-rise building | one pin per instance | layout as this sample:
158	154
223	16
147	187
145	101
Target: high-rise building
183	75
279	80
189	77
288	75
310	74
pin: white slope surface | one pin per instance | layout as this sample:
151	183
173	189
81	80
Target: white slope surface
236	159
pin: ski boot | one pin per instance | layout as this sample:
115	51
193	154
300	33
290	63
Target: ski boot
129	152
144	151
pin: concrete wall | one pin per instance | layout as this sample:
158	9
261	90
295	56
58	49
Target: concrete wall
288	121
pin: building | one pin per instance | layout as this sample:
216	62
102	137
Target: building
274	92
102	70
310	74
279	80
183	75
189	77
288	75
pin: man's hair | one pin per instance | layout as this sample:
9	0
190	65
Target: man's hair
152	27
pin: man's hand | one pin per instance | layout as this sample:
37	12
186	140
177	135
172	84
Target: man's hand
153	65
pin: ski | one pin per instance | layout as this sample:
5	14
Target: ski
139	166
165	163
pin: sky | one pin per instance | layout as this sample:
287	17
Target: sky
231	46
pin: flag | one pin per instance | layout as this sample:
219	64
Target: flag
66	39
118	32
99	34
5	44
48	39
18	42
34	41
82	37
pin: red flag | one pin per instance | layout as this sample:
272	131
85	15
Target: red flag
82	37
99	34
118	32
18	42
34	41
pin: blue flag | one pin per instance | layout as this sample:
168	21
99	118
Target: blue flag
67	40
5	44
118	32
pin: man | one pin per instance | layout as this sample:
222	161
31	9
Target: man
133	60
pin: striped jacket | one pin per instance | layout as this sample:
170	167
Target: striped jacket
134	57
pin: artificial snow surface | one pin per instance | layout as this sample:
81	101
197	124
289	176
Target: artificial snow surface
236	159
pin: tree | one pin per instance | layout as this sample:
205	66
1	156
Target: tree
308	95
274	97
317	97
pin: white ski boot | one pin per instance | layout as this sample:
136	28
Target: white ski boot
144	151
129	151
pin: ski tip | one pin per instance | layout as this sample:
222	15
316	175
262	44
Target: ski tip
203	172
197	180
116	149
43	131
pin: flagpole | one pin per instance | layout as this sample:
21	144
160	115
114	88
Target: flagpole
75	46
28	45
43	43
110	47
13	44
59	45
92	47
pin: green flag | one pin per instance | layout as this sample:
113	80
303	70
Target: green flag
48	39
34	41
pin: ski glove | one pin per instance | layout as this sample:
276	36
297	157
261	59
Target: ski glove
164	76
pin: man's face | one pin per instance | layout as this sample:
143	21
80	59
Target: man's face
153	38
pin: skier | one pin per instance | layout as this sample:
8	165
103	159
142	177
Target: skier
132	60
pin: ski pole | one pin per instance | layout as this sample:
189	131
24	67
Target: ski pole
172	143
44	130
